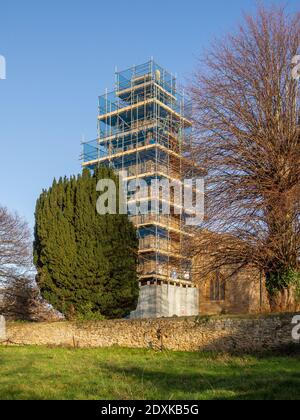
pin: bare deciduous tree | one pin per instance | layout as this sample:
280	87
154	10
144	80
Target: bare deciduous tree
246	108
21	300
15	246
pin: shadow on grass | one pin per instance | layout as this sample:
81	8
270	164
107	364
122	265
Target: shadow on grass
125	374
265	382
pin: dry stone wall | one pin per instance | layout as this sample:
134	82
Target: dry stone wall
252	333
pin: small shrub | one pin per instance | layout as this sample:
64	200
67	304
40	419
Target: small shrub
86	313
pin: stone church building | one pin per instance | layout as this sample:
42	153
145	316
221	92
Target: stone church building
236	293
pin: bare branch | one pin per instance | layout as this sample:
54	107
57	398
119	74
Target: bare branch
246	108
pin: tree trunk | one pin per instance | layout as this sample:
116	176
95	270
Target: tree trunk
285	300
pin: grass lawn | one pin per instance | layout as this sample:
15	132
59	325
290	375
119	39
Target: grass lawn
44	373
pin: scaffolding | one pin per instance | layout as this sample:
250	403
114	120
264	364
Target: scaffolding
142	127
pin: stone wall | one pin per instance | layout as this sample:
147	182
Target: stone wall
251	333
2	328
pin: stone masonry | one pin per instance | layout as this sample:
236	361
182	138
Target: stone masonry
249	333
2	328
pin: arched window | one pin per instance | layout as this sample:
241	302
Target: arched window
217	288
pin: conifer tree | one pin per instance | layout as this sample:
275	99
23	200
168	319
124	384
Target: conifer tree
86	263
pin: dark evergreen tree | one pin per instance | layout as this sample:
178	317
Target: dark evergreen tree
86	263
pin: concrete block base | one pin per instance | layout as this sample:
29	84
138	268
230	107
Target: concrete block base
166	300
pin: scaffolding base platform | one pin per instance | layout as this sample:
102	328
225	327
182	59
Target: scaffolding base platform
166	301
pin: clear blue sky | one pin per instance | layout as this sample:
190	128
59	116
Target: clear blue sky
62	54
